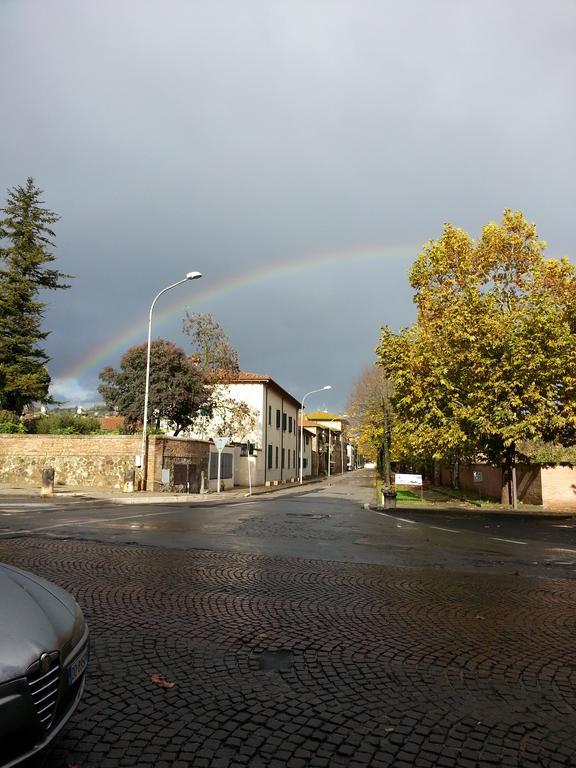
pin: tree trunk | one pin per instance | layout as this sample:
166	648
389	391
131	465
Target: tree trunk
386	470
456	475
508	495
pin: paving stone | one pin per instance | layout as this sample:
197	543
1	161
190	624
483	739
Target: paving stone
388	667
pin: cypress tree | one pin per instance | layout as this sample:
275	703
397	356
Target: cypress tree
26	238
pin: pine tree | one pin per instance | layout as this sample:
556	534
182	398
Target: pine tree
26	238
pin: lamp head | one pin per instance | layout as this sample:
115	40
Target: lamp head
193	275
328	386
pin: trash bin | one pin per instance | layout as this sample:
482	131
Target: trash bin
388	498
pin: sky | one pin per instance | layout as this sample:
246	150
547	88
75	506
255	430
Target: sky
297	153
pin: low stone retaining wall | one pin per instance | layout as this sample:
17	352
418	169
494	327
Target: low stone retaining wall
98	460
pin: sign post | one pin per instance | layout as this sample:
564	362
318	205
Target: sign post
220	443
249	471
477	477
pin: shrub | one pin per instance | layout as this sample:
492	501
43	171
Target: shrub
10	423
65	424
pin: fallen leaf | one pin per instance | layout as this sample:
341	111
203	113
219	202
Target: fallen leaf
480	617
161	681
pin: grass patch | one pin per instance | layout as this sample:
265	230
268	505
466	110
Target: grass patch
403	494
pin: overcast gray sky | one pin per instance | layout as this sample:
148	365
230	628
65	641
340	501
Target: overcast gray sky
296	152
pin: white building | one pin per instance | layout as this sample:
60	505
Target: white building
275	435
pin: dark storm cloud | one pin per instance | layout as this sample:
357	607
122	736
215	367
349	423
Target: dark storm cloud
225	136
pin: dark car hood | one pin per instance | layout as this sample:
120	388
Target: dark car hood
35	616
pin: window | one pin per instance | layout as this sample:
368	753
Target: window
276	457
269	457
270	414
277	418
284	422
225	466
290	424
283	456
307	439
289	465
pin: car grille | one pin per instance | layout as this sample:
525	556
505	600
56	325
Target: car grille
44	691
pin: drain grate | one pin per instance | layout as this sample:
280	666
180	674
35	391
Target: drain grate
309	515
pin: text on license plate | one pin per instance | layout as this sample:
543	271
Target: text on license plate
77	667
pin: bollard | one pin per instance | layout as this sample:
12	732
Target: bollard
47	482
129	475
388	498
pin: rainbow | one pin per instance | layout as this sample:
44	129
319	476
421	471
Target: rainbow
136	332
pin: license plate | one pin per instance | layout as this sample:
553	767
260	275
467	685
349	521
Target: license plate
77	667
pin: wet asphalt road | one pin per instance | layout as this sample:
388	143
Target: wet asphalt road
329	523
309	631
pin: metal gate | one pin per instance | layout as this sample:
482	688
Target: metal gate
185	477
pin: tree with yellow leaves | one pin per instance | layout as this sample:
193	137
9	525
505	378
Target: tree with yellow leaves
491	359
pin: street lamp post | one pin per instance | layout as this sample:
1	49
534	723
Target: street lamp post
328	386
143	458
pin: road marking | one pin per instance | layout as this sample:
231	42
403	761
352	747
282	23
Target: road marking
561	549
508	541
88	522
446	530
240	504
27	504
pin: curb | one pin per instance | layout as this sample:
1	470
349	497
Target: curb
543	514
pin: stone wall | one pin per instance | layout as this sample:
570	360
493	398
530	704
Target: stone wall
80	460
95	460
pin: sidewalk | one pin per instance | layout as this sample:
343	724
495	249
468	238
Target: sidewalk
116	496
434	500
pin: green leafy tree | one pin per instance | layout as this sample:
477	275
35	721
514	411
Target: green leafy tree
491	360
26	238
177	386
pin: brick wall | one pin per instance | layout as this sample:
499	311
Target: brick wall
528	481
93	460
167	452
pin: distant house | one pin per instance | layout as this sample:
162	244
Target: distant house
330	442
111	423
274	438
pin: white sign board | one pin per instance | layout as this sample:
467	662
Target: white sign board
401	479
220	442
477	477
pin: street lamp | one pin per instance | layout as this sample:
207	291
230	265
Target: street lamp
328	386
189	276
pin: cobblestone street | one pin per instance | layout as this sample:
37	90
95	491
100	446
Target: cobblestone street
219	660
